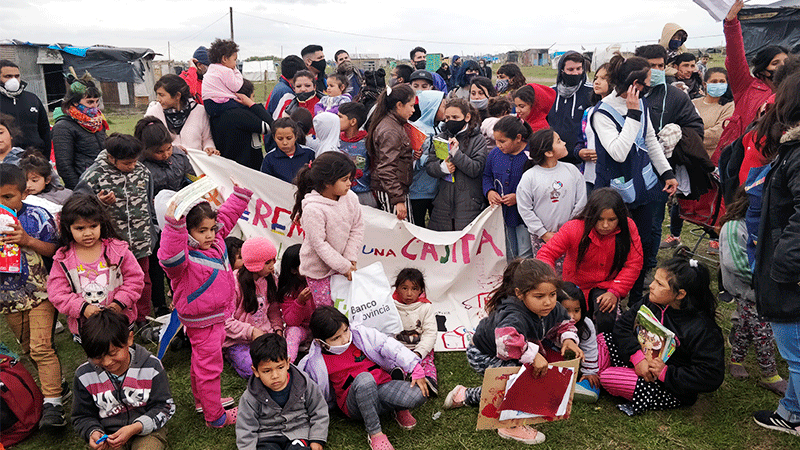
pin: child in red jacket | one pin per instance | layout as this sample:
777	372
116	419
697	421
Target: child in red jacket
603	254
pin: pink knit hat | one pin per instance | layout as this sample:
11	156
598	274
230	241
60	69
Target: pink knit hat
256	252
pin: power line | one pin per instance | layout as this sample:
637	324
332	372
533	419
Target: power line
204	29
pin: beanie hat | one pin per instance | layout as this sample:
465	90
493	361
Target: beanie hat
201	55
256	252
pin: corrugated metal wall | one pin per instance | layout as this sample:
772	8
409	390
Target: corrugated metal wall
25	57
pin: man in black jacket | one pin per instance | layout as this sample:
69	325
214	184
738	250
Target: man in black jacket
29	114
573	96
237	132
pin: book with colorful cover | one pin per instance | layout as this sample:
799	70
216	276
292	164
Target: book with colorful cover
10	257
442	148
657	341
416	136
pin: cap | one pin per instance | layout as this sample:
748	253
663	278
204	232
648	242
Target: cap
201	55
421	75
256	252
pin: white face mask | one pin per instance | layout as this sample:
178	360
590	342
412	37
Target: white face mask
12	85
338	349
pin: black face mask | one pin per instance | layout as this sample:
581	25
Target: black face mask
319	65
454	126
421	64
571	80
304	96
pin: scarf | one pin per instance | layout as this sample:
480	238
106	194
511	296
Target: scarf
568	91
92	124
176	119
13	94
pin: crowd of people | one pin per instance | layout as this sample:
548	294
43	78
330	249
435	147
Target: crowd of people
583	172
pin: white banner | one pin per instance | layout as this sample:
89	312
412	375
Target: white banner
460	267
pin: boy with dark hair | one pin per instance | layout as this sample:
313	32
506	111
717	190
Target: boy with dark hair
25	107
401	74
123	183
282	408
353	142
23	296
289	67
314	58
122	392
685	65
354	75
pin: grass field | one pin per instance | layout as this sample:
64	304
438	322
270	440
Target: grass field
721	420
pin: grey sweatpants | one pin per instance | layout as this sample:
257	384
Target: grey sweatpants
367	400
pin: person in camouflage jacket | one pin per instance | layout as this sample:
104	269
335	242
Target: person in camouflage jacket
125	185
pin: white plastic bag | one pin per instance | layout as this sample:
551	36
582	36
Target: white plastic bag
367	300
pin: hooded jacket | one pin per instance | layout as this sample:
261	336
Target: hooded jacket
326	125
423	185
30	116
240	324
698	364
133	213
383	350
305	415
667	32
459	202
125	282
202	280
75	147
545	97
334	232
170	174
391	159
143	397
566	115
777	268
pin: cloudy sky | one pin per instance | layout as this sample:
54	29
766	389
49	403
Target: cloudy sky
283	27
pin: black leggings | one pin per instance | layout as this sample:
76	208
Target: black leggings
603	321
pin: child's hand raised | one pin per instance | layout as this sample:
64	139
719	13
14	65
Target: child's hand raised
171	210
235	182
733	13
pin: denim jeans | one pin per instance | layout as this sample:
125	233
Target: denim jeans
787	336
518	243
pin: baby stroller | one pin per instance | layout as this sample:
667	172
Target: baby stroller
704	213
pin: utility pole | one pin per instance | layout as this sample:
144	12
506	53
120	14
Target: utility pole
169	59
231	14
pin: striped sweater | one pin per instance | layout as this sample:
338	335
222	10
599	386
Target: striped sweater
142	396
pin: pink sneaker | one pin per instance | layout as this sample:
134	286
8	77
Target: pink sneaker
524	434
227	402
456	397
405	419
379	442
230	419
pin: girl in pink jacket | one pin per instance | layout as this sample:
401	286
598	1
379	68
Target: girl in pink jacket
93	269
257	309
298	305
330	216
194	256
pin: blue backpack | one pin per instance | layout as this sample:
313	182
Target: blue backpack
634	178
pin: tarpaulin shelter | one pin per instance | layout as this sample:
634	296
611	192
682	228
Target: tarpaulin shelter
125	74
773	24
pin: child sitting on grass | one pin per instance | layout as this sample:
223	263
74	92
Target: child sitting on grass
419	321
282	408
122	393
351	366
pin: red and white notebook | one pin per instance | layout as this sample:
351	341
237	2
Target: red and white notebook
416	136
10	258
527	396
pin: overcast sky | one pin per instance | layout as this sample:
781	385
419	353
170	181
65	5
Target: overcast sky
283	27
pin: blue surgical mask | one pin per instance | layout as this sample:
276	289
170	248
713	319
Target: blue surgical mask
717	90
657	77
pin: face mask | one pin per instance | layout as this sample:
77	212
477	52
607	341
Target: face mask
91	112
346	67
392	81
571	80
675	44
501	85
338	349
319	65
304	96
454	126
717	90
468	77
12	85
480	104
657	77
421	65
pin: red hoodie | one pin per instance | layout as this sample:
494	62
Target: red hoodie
545	97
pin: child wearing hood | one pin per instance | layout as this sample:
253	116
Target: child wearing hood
424	186
533	102
673	37
327	126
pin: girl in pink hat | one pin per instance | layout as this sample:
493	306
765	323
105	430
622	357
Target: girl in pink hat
257	310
